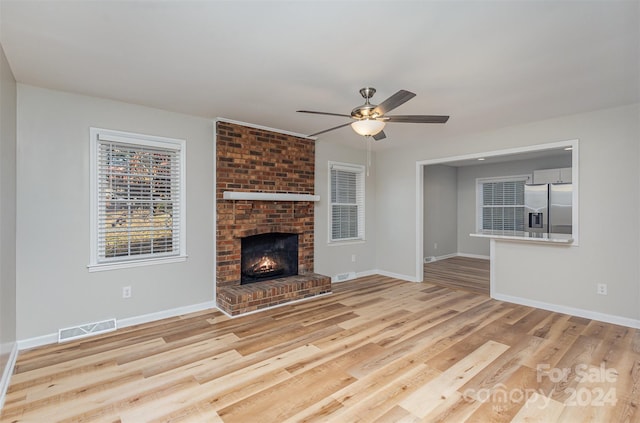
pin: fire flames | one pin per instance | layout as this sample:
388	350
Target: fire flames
264	265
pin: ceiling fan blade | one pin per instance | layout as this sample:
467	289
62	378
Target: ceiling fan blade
380	136
323	113
330	129
394	101
416	119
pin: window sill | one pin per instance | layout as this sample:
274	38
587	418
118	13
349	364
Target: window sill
135	263
347	242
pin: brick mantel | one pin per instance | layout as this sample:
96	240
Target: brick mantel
250	159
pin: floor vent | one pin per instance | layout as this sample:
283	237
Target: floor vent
83	331
343	277
429	259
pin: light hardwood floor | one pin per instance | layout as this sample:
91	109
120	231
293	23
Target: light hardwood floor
377	350
469	274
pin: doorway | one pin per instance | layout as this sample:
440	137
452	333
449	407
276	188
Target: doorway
465	211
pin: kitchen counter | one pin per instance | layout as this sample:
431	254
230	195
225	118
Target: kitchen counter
526	236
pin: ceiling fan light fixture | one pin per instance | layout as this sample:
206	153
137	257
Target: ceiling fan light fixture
368	127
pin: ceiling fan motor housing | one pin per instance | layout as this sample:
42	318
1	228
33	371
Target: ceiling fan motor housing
364	112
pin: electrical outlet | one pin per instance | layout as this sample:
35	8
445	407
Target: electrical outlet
126	292
435	245
602	289
353	258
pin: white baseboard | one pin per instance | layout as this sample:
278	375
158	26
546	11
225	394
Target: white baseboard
7	372
366	273
122	323
446	256
395	275
159	315
37	341
477	256
588	314
374	272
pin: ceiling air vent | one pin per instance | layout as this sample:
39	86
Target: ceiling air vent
83	331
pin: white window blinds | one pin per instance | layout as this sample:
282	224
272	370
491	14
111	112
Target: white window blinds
347	202
138	199
502	205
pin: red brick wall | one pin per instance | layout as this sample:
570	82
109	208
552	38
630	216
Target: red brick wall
250	159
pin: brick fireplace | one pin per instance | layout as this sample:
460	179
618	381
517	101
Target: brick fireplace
250	159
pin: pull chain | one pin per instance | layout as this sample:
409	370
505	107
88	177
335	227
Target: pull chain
368	153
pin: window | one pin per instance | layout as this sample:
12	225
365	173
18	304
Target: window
137	199
346	216
501	203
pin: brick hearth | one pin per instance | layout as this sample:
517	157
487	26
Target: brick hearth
257	160
245	298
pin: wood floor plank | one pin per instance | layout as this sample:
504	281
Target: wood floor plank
235	386
369	398
455	408
503	400
427	398
292	395
397	415
539	409
376	350
465	273
579	354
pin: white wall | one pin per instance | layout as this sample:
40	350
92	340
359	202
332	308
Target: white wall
609	213
7	219
336	258
54	288
440	211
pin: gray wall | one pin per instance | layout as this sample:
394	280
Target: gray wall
609	160
52	245
336	258
467	176
7	212
53	223
53	220
440	211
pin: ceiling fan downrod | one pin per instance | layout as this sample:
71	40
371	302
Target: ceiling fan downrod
367	93
365	111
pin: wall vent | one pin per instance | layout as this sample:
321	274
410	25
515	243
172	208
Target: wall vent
343	277
83	331
429	259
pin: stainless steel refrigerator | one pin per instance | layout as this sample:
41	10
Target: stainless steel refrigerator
547	208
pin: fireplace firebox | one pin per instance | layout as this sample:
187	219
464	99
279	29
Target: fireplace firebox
268	256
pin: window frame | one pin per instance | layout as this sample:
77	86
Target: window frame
526	178
98	135
359	170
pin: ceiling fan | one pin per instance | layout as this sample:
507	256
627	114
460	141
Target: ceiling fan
369	119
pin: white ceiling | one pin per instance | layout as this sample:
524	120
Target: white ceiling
487	64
